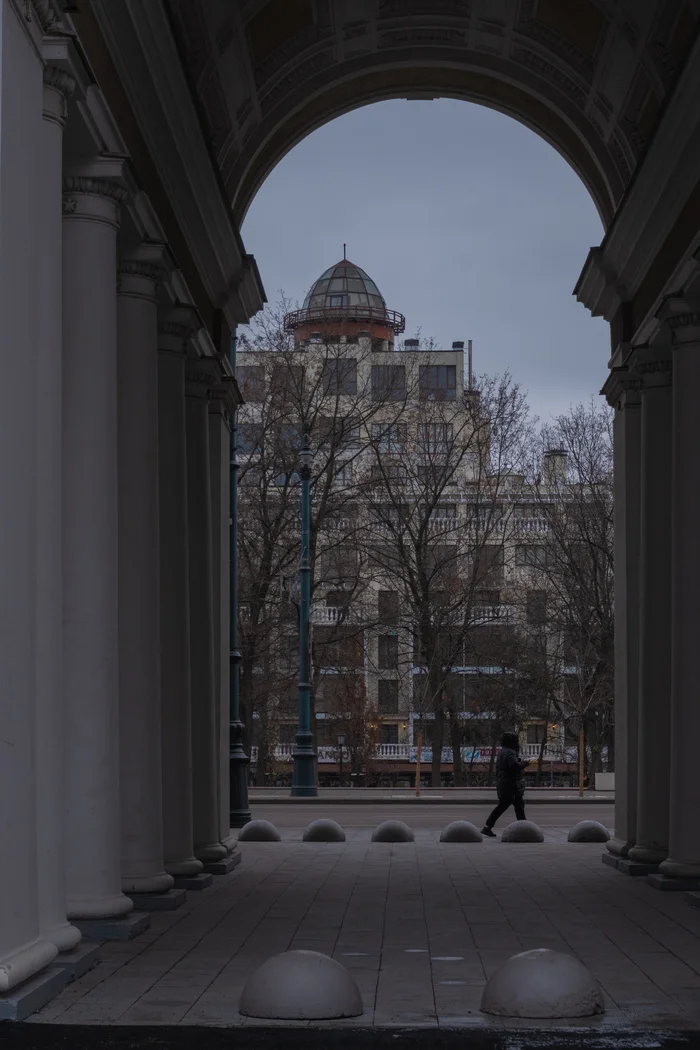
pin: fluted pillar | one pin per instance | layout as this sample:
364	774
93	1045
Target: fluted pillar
175	331
684	833
221	406
90	609
653	368
23	948
622	392
200	376
50	742
139	597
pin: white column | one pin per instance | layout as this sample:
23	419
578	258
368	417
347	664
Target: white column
90	611
684	832
176	717
23	950
50	743
220	407
139	596
653	367
200	376
623	394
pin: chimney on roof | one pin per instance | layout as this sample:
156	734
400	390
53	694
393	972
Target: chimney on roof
555	465
458	346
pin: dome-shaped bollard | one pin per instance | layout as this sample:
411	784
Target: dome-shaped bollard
392	831
259	831
461	831
522	831
301	986
324	830
542	983
588	831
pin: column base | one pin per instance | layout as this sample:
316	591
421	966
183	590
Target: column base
121	929
673	883
168	901
159	883
619	847
64	935
635	867
213	851
201	881
84	907
32	994
647	855
224	866
80	960
19	965
677	869
229	841
183	868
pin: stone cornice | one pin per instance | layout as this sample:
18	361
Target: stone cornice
226	395
139	268
202	377
177	328
682	318
621	389
652	365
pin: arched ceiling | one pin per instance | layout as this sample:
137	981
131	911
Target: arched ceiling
590	76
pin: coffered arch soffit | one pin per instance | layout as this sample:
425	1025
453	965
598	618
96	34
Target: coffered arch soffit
589	76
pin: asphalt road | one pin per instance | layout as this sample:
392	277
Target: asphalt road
558	815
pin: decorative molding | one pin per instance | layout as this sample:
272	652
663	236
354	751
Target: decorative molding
622	390
59	79
50	16
76	184
551	73
138	268
690	319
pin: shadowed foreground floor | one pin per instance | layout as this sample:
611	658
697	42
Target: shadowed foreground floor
421	926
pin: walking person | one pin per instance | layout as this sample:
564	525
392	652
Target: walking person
509	782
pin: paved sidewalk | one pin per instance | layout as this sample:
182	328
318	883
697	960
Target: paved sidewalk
443	796
420	925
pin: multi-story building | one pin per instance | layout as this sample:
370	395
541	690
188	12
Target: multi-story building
409	494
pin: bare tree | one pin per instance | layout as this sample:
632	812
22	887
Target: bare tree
434	497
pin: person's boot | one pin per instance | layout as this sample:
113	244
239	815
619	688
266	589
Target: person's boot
489	832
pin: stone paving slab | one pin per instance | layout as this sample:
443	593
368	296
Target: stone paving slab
421	926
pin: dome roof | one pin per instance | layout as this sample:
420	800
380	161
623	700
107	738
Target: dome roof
342	293
344	285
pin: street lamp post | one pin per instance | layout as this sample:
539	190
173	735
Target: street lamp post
239	809
341	745
303	777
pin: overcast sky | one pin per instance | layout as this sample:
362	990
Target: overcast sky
470	224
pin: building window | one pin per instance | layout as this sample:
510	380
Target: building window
438	381
388	608
489	565
389	472
389	733
388	696
388	652
343	474
249	437
389	437
388	382
336	301
434	438
536	608
251	379
530	556
339	563
340	376
377	344
537	733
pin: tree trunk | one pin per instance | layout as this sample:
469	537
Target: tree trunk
438	736
455	739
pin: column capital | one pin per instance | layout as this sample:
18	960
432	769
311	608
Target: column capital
652	365
621	389
201	377
682	317
140	272
58	85
225	398
93	199
176	329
